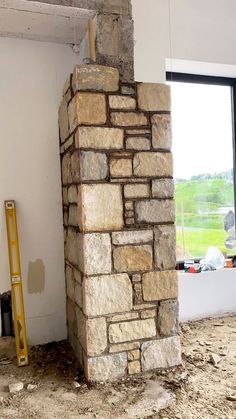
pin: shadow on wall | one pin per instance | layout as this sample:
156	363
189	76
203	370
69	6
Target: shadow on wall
36	277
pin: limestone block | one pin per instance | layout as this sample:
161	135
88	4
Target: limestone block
71	246
121	168
148	314
96	331
167	320
155	211
70	283
65	196
138	296
77	276
132	237
65	217
66	169
128	119
134	367
153	164
124	347
160	285
161	132
81	327
70	311
72	194
67	144
133	330
95	77
94	253
87	109
63	121
99	138
127	90
107	294
163	188
74	217
132	258
93	165
78	294
138	131
122	102
154	97
133	355
138	143
165	247
102	207
108	367
163	353
122	317
137	190
129	205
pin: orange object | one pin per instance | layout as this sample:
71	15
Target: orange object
228	263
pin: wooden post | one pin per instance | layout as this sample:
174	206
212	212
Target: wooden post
92	46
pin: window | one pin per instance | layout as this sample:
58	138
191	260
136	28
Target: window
203	138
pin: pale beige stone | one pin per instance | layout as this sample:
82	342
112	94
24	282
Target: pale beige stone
154	97
165	247
107	367
122	102
63	121
93	165
137	190
95	77
132	237
129	205
65	196
71	245
81	327
70	312
155	211
138	143
134	367
162	353
72	114
66	169
65	217
148	314
139	131
132	258
75	166
67	144
122	317
87	109
167	320
144	306
74	218
72	194
163	188
78	294
128	119
94	253
160	285
77	276
70	283
133	355
161	132
102	207
66	85
99	138
129	180
107	294
120	347
133	330
96	331
121	168
153	164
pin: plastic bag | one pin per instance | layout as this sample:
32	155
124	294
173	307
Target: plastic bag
214	259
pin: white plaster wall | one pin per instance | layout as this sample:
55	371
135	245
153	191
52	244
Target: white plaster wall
32	75
187	30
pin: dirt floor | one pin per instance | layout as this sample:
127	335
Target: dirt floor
198	390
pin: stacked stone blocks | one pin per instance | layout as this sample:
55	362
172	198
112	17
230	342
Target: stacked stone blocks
118	208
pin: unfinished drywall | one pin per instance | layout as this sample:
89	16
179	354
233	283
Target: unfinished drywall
32	75
188	30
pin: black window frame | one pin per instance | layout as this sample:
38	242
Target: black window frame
217	81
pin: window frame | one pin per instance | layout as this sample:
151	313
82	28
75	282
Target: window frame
217	81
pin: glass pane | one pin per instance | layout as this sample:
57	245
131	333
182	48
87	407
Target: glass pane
203	169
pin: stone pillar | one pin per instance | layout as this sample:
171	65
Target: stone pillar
115	141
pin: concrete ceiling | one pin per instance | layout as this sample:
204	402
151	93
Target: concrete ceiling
42	21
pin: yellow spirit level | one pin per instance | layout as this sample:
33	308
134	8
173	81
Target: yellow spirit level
16	284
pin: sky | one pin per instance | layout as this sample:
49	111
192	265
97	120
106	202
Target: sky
202	129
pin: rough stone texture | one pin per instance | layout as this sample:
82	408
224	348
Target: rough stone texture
96	331
63	121
66	169
93	165
94	253
107	214
148	314
153	97
155	211
67	144
137	143
87	109
132	237
127	90
78	295
134	367
161	132
71	247
121	168
72	194
165	247
163	188
95	77
99	138
122	102
73	216
153	164
167	320
123	317
133	330
120	7
132	258
109	367
75	167
133	355
138	190
163	353
160	285
107	294
128	119
124	347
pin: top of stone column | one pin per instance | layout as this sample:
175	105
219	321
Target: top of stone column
121	7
